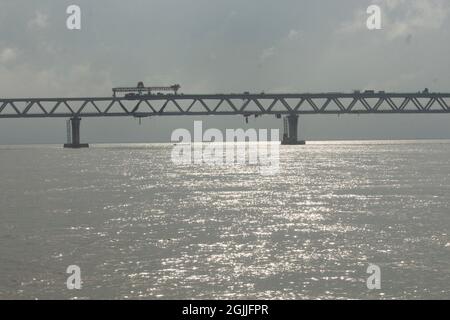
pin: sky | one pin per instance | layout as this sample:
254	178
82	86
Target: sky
223	46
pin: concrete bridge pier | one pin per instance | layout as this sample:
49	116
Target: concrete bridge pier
290	135
73	135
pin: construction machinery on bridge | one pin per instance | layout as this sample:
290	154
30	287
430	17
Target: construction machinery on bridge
141	91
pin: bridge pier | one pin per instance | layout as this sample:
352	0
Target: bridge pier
74	137
290	136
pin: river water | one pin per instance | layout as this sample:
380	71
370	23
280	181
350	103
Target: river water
139	226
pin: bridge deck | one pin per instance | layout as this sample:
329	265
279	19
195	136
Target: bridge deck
227	104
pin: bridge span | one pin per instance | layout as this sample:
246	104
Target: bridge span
289	105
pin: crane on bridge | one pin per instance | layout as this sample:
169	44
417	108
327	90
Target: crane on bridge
140	90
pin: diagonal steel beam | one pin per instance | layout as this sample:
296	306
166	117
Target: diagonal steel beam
109	106
41	107
136	107
177	105
365	104
285	104
417	104
274	102
95	106
443	104
4	104
28	107
82	106
123	107
430	104
379	103
204	105
218	105
404	103
231	104
14	107
55	107
325	105
299	104
312	104
256	101
352	104
150	106
191	105
245	104
339	104
392	104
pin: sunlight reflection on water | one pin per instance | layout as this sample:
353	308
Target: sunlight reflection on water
140	227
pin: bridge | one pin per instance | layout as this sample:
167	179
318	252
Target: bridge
290	105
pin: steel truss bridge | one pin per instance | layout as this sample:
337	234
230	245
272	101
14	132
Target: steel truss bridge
246	104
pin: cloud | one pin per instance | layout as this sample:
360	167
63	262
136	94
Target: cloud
266	54
8	55
419	15
294	34
270	52
358	23
39	21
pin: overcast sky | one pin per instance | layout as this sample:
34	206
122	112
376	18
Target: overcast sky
212	46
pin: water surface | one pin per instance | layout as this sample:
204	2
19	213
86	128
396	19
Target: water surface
140	227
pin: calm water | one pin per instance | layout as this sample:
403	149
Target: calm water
140	227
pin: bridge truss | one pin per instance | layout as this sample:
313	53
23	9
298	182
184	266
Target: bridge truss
290	105
225	104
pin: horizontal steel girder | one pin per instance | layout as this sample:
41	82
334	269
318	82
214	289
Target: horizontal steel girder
227	104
